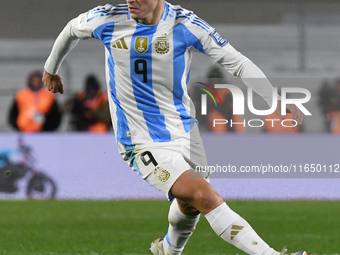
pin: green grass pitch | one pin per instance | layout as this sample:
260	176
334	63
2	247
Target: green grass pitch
128	227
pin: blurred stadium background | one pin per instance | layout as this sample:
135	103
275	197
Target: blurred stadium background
285	38
296	40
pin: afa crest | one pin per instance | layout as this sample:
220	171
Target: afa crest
141	44
162	174
162	45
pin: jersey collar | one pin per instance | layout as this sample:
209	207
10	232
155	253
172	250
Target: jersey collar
165	12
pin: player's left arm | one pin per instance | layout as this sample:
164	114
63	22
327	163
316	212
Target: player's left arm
237	64
254	78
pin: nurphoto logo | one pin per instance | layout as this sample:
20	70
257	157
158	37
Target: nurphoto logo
238	104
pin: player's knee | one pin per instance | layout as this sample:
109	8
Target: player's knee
187	209
208	199
190	210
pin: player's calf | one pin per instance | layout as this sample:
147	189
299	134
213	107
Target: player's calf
181	227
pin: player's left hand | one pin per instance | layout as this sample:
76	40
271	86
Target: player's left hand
53	83
297	114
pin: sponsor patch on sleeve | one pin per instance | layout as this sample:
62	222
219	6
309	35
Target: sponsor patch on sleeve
219	40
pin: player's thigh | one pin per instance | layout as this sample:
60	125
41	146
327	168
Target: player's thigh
160	167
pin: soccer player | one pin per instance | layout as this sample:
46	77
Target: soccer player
149	45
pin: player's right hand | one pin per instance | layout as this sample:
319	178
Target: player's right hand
53	83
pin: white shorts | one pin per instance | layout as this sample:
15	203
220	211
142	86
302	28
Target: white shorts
160	164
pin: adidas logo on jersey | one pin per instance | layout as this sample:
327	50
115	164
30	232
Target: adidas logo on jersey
120	45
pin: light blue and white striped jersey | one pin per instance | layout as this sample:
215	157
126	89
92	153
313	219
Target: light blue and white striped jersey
148	68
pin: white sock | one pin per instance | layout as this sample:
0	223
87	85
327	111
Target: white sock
235	230
181	227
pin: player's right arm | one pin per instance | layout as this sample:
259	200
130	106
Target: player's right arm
78	28
62	46
53	83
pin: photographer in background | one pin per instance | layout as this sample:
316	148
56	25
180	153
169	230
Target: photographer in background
329	101
34	108
89	108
